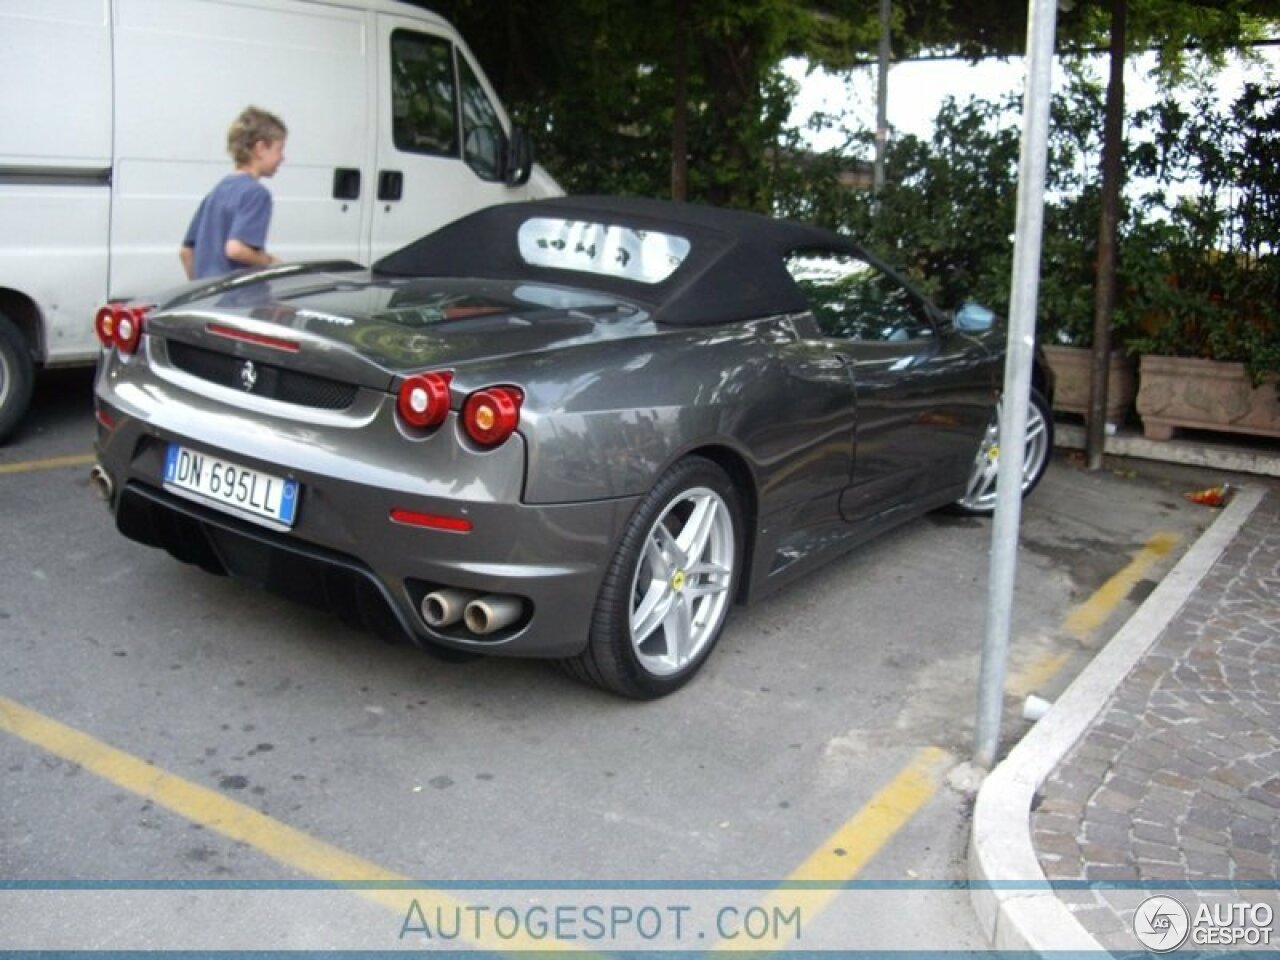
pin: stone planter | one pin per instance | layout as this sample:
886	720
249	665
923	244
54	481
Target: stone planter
1204	395
1072	371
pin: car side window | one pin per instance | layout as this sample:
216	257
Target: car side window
424	108
484	142
852	299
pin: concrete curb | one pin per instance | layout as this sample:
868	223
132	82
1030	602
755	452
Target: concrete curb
1217	456
1028	915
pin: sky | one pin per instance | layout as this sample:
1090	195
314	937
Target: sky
917	89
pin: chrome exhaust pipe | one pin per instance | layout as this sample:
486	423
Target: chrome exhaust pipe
101	483
443	608
492	612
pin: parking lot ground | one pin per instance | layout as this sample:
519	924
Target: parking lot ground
826	738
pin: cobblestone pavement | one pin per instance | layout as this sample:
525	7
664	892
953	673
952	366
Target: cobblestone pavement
1178	778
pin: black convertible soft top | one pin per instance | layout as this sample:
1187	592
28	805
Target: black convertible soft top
734	269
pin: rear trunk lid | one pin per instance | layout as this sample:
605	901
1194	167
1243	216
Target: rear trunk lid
369	331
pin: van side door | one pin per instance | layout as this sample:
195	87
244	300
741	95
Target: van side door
442	135
182	71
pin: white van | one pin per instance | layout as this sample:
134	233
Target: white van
113	121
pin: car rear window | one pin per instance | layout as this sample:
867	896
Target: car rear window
644	256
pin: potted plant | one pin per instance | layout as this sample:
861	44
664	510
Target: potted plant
1210	350
1207	277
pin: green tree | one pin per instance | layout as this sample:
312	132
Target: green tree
1174	27
661	98
1202	269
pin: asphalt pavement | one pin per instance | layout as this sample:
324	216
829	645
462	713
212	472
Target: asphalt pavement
1142	811
1157	770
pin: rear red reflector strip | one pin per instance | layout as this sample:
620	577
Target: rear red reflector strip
432	521
261	339
105	419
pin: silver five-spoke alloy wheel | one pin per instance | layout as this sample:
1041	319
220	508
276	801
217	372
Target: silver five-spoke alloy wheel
667	592
980	495
680	593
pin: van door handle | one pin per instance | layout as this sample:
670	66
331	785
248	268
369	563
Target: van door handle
346	183
390	184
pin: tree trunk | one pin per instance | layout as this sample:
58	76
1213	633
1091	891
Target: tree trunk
1105	284
733	93
680	108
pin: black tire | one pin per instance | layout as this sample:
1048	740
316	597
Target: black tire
684	594
979	498
17	377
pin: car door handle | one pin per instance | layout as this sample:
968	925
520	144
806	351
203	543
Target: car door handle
390	184
346	183
834	361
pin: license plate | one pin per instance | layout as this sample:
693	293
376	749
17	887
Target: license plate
256	495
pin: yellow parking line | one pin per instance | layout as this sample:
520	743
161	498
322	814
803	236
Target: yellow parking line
198	804
849	848
842	856
52	463
1036	674
1094	612
839	859
242	823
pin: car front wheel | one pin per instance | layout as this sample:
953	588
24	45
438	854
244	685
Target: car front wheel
980	495
669	587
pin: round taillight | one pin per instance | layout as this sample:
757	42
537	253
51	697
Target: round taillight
424	399
104	324
491	415
126	326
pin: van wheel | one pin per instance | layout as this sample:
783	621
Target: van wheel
17	375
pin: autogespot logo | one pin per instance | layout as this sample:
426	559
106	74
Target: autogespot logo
1161	924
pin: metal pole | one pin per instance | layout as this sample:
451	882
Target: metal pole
882	96
1041	23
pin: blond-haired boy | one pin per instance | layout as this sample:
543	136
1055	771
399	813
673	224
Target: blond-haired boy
229	230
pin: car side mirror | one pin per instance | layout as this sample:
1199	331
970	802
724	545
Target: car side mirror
974	318
519	159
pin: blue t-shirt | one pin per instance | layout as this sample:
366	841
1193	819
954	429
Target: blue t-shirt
238	208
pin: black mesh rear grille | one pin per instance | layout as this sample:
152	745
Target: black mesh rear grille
261	379
282	564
